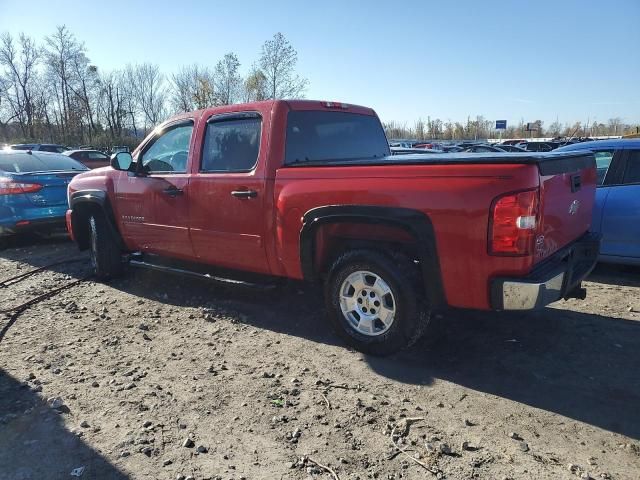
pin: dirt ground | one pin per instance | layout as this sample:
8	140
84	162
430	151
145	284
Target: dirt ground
156	376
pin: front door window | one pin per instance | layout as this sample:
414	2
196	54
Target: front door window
169	152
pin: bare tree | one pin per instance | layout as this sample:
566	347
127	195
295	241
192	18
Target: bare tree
419	130
111	103
615	126
434	128
227	79
555	129
65	56
193	88
255	86
182	89
149	92
19	79
278	62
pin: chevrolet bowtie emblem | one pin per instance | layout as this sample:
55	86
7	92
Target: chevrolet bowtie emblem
573	208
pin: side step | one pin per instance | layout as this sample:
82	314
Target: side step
207	276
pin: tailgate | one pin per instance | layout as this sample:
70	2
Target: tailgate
54	187
567	193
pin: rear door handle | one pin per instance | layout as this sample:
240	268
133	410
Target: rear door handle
244	193
173	191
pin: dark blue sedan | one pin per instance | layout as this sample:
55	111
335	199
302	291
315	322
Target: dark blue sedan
33	190
616	214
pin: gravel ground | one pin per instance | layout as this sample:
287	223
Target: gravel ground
156	376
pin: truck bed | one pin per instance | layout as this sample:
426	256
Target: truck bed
541	159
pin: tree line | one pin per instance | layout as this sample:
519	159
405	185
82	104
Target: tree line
50	91
480	128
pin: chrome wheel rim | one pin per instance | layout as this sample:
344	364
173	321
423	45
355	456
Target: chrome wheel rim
94	241
367	303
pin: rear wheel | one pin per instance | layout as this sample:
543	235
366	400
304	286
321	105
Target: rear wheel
106	257
375	302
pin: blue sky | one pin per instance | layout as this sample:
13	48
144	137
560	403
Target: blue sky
571	60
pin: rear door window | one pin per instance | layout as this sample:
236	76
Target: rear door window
632	172
318	136
603	162
232	144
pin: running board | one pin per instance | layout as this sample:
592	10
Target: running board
207	276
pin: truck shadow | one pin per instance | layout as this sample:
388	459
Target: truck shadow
34	442
582	366
619	275
32	239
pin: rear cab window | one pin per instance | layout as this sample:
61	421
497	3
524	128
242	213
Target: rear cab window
328	136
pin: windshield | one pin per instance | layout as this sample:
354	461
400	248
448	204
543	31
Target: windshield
317	136
27	163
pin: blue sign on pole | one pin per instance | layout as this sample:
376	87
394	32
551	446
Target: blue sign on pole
501	124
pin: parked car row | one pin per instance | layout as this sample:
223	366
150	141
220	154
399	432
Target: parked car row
87	155
472	146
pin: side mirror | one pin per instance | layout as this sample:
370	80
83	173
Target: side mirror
121	161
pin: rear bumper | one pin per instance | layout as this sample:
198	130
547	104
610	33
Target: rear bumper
557	277
46	224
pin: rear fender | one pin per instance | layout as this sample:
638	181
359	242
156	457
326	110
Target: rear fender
415	224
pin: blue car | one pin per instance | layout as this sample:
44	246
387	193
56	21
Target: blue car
33	190
616	214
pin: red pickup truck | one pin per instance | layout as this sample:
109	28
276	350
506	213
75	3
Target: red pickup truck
307	190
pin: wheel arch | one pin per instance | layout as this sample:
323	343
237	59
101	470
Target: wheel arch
84	202
415	224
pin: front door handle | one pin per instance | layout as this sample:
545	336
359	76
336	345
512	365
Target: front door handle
173	191
244	193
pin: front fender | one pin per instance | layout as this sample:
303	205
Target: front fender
81	204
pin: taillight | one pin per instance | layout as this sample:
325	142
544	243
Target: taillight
9	187
514	223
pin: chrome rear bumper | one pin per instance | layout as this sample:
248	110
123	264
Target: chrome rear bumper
518	295
558	277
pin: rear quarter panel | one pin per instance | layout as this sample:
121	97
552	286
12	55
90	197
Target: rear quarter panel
457	199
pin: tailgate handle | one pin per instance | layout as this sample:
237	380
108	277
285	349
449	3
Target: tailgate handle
576	183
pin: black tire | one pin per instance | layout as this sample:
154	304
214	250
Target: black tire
402	277
106	256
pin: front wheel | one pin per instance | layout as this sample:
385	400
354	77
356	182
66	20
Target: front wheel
375	302
106	257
